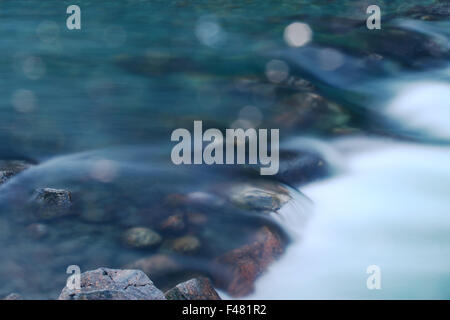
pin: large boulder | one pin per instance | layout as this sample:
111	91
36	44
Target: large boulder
194	289
113	284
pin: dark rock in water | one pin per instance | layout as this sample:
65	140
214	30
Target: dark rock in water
13	296
156	265
246	263
9	168
185	244
259	197
113	284
52	203
141	237
299	167
194	289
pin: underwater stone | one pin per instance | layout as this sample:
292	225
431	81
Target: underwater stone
52	203
185	244
113	284
141	237
155	265
194	289
299	167
244	265
173	223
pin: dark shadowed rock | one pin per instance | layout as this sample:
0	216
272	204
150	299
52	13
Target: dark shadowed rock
246	263
194	289
113	284
299	167
37	230
52	203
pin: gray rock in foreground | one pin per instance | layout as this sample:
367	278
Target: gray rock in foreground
194	289
113	284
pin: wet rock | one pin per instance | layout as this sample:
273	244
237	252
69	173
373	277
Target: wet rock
52	203
246	263
37	230
141	237
174	223
156	265
13	296
259	198
113	284
299	167
185	244
9	168
194	289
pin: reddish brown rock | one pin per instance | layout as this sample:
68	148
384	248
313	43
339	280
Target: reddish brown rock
174	223
194	289
245	264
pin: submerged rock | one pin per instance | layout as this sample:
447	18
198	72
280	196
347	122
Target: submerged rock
185	244
37	230
52	203
309	111
245	264
113	284
141	237
194	289
156	265
299	167
174	223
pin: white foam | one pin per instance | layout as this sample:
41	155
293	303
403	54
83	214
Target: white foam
390	208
